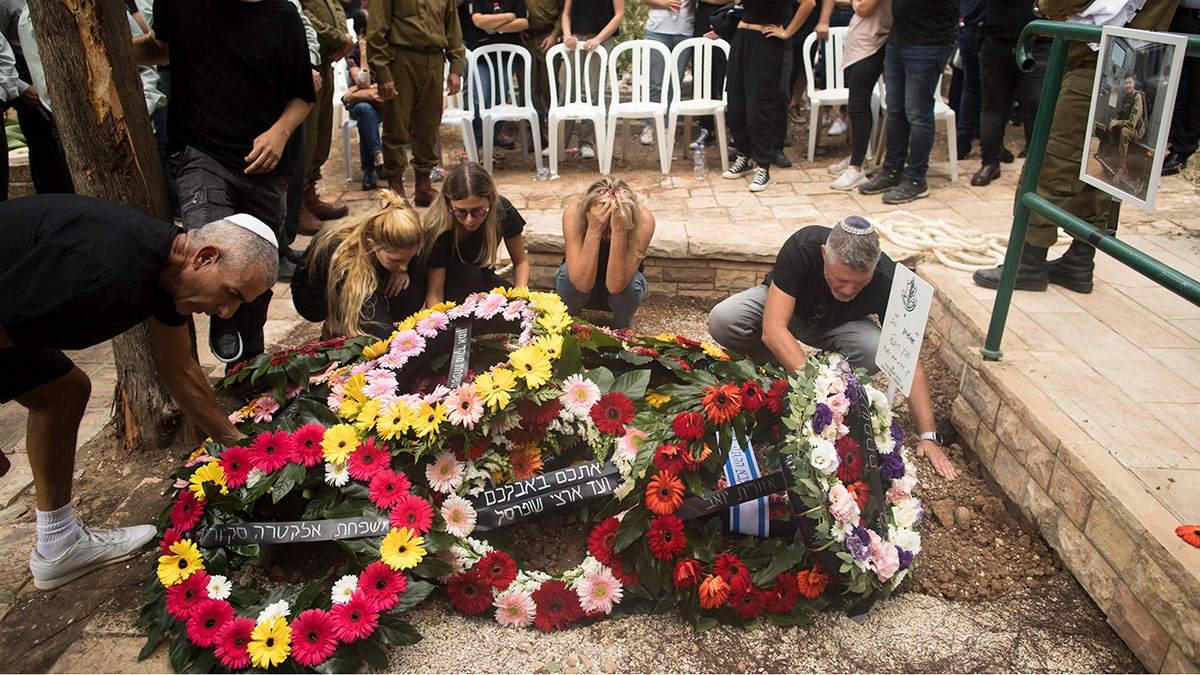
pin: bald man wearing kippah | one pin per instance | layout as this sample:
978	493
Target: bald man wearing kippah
826	284
77	271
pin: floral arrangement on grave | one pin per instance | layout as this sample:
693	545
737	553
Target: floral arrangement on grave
412	452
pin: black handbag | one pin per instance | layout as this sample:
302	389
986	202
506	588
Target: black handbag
725	19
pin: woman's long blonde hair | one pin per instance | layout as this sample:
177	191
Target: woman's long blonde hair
466	180
626	213
351	278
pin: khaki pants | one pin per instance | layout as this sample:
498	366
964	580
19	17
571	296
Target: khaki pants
539	77
318	127
415	112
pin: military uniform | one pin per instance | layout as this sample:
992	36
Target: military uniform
545	20
329	21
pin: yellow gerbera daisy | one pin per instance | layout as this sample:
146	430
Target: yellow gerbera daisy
182	562
555	322
270	643
548	302
714	351
656	399
495	387
340	440
551	344
376	349
367	415
212	472
401	550
354	387
428	419
443	306
395	420
532	364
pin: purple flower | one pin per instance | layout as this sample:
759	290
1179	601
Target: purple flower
822	417
897	433
905	558
858	542
891	467
852	390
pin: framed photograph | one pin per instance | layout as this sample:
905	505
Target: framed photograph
1130	119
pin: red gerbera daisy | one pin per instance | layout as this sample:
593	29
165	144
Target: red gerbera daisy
777	396
388	488
412	512
612	412
557	606
627	579
187	511
723	403
688	426
666	538
672	458
783	599
602	540
184	597
686	342
231	644
812	583
171	536
306	445
730	568
1190	534
354	620
753	396
748	603
313	641
861	493
271	450
381	585
498	569
850	461
237	463
469	592
368	460
687	573
210	616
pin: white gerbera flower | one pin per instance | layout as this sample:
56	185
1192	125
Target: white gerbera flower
459	516
445	474
344	589
275	610
219	587
336	475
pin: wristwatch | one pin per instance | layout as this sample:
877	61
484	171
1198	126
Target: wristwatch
930	436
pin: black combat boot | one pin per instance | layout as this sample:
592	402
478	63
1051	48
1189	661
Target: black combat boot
1032	273
1073	271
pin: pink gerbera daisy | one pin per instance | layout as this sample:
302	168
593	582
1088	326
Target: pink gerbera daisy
210	616
380	382
187	511
388	488
407	343
598	591
579	395
412	512
459	515
368	460
271	450
514	609
313	639
464	407
232	642
265	408
354	620
445	474
306	445
432	325
185	596
237	463
382	586
490	306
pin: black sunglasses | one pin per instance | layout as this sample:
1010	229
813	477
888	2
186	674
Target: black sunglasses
477	213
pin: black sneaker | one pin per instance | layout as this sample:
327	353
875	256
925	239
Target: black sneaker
226	344
369	182
908	190
887	178
762	178
781	160
740	167
704	138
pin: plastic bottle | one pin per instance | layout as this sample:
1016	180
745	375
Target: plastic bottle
699	164
544	173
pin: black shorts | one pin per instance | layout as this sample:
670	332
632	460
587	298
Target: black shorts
23	369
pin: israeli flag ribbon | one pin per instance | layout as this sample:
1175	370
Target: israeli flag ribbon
752	517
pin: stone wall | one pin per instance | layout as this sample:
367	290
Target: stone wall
708	279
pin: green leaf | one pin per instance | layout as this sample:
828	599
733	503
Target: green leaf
344	660
289	477
260	489
570	360
373	654
633	384
635	524
180	650
603	378
396	632
704	623
311	410
416	593
432	567
205	663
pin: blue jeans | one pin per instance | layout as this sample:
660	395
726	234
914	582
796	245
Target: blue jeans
658	68
367	118
483	97
911	74
622	304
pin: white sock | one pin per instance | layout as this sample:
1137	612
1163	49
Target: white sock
56	531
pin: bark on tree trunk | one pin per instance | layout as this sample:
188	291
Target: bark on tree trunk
85	47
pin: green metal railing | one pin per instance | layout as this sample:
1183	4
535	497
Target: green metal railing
1028	201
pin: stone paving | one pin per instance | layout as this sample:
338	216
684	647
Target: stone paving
1095	401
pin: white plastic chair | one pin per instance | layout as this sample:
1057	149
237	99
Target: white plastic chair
456	114
574	100
507	64
703	100
339	88
835	93
640	104
941	111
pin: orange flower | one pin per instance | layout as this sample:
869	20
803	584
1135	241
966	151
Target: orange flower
1190	534
723	403
812	582
526	461
713	592
861	493
664	494
695	459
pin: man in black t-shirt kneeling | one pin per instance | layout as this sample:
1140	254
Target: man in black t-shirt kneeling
824	287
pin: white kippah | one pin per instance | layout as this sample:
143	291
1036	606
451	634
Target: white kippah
254	225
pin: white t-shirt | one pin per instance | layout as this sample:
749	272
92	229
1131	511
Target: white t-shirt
672	23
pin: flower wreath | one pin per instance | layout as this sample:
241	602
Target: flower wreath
348	442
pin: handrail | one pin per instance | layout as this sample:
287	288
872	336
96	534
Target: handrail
1028	201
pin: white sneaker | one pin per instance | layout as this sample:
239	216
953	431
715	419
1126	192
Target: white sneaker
762	178
94	549
837	128
740	167
837	169
849	179
587	152
647	137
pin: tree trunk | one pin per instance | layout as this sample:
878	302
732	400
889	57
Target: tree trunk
85	47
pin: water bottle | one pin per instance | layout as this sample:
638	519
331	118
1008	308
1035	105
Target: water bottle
543	173
699	165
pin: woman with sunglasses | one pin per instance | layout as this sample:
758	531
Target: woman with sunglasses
361	276
606	235
466	223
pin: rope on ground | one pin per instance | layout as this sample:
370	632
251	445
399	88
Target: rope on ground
957	247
